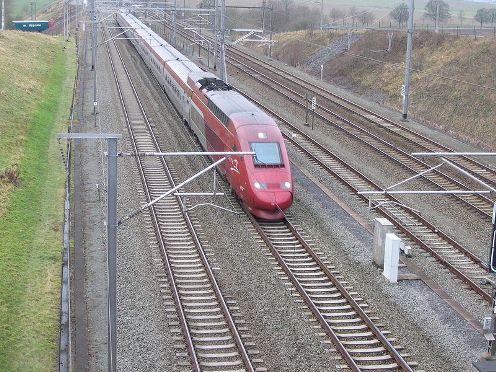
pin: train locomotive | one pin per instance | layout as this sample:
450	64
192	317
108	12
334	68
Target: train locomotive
222	120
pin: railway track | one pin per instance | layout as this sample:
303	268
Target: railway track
457	259
452	255
341	314
362	345
341	106
370	129
212	338
345	319
355	128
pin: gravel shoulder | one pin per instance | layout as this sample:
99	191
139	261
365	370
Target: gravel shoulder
273	314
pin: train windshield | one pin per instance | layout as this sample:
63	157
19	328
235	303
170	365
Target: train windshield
266	153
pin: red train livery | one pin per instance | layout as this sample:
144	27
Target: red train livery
223	120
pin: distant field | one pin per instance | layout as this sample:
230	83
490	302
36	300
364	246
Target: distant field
385	6
21	9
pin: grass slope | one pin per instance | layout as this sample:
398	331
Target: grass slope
35	98
437	94
453	84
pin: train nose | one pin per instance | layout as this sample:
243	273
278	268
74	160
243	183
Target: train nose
281	199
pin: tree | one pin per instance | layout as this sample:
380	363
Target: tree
353	13
491	15
481	16
366	18
461	15
336	14
432	11
206	4
400	14
287	4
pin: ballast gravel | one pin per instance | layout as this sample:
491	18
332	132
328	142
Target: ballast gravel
431	332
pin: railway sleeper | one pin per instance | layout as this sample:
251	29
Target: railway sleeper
203	305
231	354
224	364
371	350
378	367
374	358
212	332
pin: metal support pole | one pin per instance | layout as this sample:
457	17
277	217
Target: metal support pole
63	9
216	31
321	15
437	17
200	40
270	25
174	24
321	72
112	249
94	56
93	34
3	15
492	250
223	71
408	62
68	19
306	109
263	16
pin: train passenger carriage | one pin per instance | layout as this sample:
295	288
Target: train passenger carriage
222	120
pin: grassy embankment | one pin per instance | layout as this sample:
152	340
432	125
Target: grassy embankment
438	95
36	76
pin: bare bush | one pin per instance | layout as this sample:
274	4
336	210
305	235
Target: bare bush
11	175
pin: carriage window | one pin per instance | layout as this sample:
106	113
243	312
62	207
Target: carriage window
266	153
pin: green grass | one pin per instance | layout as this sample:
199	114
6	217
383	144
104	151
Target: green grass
33	110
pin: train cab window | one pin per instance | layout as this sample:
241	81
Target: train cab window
266	153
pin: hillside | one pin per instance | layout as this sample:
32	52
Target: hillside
453	84
36	76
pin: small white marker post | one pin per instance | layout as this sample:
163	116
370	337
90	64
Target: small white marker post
391	257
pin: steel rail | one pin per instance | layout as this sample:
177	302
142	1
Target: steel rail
175	293
321	91
340	347
476	260
223	305
471	283
489	203
376	331
470	200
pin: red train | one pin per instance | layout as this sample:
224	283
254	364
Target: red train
223	120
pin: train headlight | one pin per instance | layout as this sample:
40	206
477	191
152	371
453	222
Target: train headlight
286	185
260	185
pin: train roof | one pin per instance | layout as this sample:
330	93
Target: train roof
176	60
30	21
236	106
